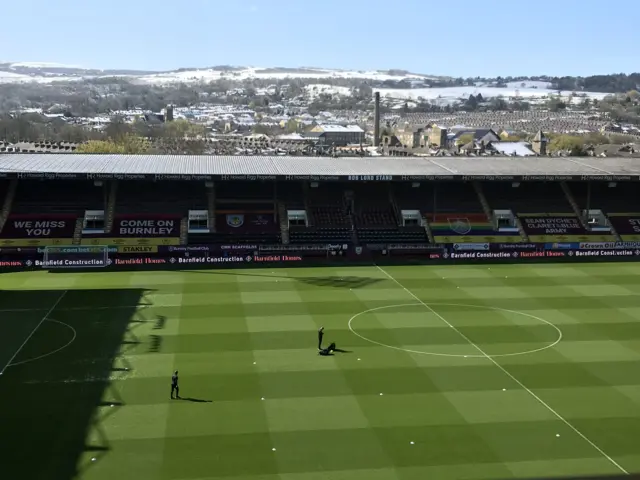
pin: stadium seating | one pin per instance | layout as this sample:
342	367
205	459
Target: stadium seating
160	197
392	235
376	221
414	198
319	235
247	212
451	197
246	190
532	197
4	185
327	206
292	194
330	222
624	197
226	238
373	207
60	197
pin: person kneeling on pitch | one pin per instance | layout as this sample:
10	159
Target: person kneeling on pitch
174	385
329	350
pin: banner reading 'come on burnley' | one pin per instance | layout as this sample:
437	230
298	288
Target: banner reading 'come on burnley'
139	230
146	226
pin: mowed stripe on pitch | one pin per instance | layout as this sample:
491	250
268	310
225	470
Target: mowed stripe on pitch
327	415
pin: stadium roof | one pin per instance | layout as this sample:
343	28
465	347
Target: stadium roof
324	168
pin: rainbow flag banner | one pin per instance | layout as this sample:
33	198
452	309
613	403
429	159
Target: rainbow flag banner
478	239
467	228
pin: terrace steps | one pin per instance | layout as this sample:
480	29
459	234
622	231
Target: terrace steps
77	232
8	202
111	206
427	229
184	231
484	202
523	234
211	207
284	223
574	204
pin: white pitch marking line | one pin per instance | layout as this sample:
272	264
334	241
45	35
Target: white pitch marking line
104	307
420	352
506	372
29	360
33	331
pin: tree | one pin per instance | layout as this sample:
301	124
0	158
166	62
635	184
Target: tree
555	104
126	144
574	145
464	139
260	129
618	139
291	126
182	137
471	103
117	128
512	138
585	104
596	138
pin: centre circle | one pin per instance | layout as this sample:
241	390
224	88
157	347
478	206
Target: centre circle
426	307
48	323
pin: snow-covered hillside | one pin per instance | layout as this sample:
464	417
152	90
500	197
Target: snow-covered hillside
42	65
44	72
274	73
450	94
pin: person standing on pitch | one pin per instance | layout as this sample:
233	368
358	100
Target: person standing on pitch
320	335
174	385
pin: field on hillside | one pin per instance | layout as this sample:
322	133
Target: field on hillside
446	372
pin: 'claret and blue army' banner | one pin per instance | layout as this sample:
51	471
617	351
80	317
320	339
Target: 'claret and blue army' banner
554	228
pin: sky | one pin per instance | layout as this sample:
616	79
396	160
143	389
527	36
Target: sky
462	38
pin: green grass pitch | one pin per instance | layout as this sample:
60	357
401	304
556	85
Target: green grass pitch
450	372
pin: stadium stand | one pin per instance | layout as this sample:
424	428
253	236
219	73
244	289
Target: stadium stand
328	215
140	197
60	197
609	197
377	200
452	197
518	196
291	194
4	186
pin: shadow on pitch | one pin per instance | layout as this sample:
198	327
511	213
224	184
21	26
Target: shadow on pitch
72	391
161	322
350	282
195	400
333	352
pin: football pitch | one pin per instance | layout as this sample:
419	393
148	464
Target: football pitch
446	372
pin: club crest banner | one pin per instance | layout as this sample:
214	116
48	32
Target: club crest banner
235	220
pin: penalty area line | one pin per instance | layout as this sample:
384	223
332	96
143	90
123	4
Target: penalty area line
49	312
504	370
